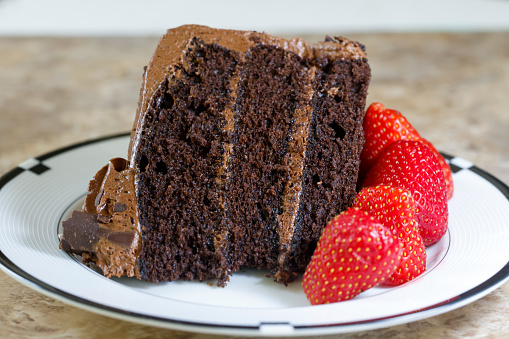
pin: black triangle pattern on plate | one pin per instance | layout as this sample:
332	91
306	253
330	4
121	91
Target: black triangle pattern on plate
450	161
454	168
39	168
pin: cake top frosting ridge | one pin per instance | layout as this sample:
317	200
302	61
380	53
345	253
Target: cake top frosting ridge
174	43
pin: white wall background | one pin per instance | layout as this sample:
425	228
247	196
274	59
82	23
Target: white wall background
152	17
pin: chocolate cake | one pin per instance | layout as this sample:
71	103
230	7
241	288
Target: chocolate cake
243	147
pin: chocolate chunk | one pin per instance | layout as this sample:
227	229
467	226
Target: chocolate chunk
122	239
80	232
83	230
104	219
118	207
64	245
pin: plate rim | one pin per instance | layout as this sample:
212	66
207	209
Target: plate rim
477	292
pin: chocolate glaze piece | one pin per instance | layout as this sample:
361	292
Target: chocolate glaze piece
123	239
118	207
80	233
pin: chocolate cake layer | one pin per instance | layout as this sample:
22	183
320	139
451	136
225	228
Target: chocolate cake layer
269	94
335	140
177	164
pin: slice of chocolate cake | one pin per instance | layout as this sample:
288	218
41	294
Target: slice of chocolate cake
243	147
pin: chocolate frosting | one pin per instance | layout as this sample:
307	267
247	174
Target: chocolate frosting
107	230
347	49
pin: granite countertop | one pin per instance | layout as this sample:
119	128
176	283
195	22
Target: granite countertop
59	91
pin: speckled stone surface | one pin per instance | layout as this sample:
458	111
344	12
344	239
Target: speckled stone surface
58	91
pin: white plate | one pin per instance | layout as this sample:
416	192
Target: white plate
470	261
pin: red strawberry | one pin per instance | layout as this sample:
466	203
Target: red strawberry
413	262
411	165
395	209
382	127
445	168
354	253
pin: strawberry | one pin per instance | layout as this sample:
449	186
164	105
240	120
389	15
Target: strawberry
445	168
354	253
383	126
413	261
412	165
395	209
